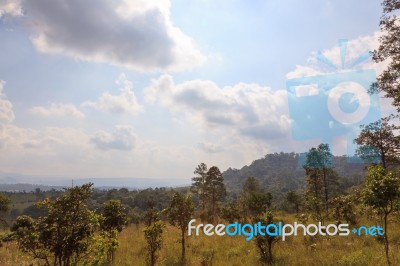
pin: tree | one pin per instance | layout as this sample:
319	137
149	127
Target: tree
153	235
65	235
4	205
251	186
114	217
377	143
151	214
199	183
112	223
215	190
343	209
254	199
382	193
295	200
230	212
179	214
266	243
322	180
389	80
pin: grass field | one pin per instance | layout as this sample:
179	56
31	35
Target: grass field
225	250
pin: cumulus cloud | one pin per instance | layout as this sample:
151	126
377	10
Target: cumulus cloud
11	7
125	102
57	110
137	34
249	109
357	57
122	138
355	48
6	107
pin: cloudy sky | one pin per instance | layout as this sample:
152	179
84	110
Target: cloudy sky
140	88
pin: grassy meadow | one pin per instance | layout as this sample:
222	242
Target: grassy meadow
225	250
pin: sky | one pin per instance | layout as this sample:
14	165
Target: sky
150	89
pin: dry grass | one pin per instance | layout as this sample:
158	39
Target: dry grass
225	250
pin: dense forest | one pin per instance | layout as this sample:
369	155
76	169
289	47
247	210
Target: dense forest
280	173
277	174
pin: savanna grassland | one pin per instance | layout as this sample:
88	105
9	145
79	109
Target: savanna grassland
85	226
224	250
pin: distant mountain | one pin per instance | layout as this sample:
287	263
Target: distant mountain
26	187
134	183
18	182
282	172
277	173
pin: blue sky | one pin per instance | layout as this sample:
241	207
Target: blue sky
134	88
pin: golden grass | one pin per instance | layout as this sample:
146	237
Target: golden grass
296	250
225	250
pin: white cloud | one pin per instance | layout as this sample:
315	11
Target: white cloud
6	112
137	34
210	147
122	138
355	48
11	7
57	110
248	109
126	102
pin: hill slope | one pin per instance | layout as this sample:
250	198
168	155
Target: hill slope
282	172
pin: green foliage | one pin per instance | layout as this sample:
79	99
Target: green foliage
112	222
265	243
151	215
199	183
319	158
382	189
64	236
4	203
314	205
180	210
135	216
179	214
28	240
343	209
251	186
382	192
295	200
276	172
160	197
215	190
4	206
153	235
280	173
322	180
378	143
389	79
253	198
114	217
231	212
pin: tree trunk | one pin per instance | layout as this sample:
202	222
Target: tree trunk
270	258
386	239
153	258
183	244
383	157
317	209
326	191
